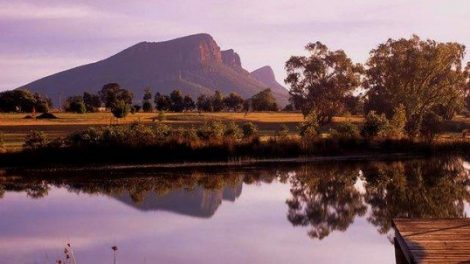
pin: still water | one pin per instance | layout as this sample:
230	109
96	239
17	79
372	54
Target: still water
332	212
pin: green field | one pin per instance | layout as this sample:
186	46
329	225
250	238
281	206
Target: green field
15	127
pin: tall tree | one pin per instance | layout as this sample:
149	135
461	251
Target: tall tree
189	104
111	93
419	74
321	81
204	103
217	101
92	102
147	104
177	101
264	101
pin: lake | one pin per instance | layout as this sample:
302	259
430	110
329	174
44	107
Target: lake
319	212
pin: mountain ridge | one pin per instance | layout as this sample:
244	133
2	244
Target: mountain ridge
195	64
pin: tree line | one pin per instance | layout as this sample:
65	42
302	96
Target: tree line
119	101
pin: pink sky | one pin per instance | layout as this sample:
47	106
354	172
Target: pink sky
38	38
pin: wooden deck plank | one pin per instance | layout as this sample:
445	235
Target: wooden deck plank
433	240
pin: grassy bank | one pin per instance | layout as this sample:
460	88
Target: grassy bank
139	143
14	127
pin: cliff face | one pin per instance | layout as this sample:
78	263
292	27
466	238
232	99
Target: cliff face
231	58
194	64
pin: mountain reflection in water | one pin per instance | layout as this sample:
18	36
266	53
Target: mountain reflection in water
322	197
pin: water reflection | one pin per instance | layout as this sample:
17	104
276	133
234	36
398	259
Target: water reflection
322	198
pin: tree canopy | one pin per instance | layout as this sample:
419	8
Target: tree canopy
320	82
422	75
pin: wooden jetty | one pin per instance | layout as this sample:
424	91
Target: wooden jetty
432	241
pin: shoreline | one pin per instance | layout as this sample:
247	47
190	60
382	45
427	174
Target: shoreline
218	164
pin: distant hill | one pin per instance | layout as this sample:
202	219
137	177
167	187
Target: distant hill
194	64
266	76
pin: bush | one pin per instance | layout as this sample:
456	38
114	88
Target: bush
346	130
211	130
233	131
120	109
282	132
374	125
250	130
35	140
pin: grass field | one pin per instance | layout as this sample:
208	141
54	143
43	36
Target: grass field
14	126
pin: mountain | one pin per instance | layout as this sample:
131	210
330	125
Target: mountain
265	75
194	64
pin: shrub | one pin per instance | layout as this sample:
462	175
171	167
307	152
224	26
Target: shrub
282	132
309	128
211	130
233	131
89	136
35	140
120	109
161	131
374	125
346	130
249	130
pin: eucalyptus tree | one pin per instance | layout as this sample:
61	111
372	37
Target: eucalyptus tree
321	81
421	75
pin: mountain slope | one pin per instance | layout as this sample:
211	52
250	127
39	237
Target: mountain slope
194	64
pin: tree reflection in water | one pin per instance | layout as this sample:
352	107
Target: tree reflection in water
420	188
324	197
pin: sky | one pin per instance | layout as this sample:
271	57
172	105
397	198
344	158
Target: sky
39	38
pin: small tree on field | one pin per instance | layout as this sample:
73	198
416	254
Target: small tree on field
121	109
146	103
264	101
75	104
217	101
233	102
92	102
